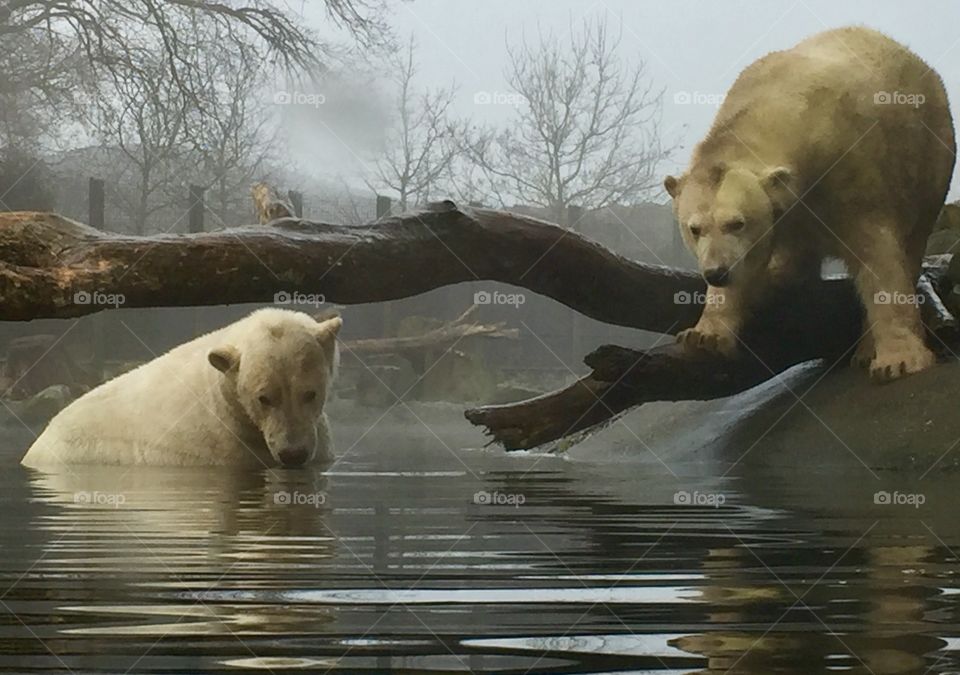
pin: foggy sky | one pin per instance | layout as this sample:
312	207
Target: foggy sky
690	48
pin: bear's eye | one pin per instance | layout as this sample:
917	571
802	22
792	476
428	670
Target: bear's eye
265	401
310	396
735	225
695	230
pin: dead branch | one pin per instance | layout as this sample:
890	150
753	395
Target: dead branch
441	337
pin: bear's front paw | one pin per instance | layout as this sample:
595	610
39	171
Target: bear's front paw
720	342
892	364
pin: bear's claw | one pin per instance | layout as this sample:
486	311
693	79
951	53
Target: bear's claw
894	365
720	343
864	354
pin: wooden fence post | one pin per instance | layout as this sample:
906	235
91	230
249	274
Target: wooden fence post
96	202
384	205
574	217
296	201
195	208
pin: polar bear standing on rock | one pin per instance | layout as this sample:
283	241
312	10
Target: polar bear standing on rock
842	146
250	393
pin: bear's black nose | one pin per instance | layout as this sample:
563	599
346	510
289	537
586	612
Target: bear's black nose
717	276
293	456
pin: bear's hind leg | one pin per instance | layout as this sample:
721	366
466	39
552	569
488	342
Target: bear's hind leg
885	274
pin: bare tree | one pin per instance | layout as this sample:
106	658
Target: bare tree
143	116
232	134
418	149
54	51
586	130
43	80
108	30
36	96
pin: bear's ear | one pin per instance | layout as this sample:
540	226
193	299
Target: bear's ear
224	358
780	185
672	185
329	328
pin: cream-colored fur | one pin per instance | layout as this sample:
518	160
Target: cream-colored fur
842	146
251	393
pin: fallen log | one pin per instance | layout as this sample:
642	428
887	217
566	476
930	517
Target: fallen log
47	261
796	325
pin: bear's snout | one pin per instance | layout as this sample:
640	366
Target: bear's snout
295	456
717	276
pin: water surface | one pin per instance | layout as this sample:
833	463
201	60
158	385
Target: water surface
416	554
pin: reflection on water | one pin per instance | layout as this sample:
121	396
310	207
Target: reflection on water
409	556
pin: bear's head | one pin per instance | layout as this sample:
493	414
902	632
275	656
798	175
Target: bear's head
278	366
727	216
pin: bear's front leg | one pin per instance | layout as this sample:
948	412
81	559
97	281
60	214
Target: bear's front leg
719	323
893	328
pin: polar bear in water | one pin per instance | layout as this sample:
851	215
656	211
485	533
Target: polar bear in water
250	393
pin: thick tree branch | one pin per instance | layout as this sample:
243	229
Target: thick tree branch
45	260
